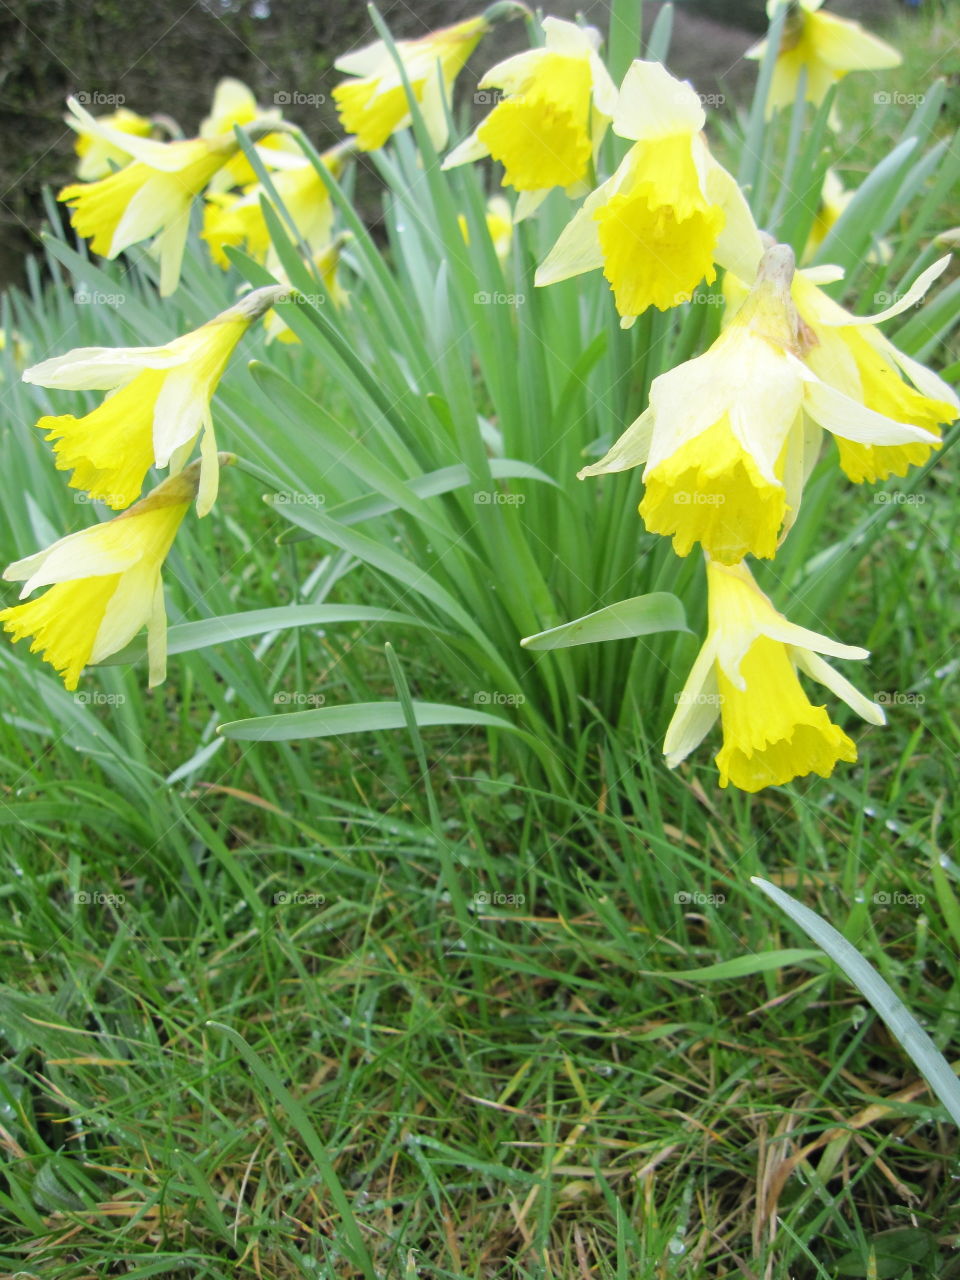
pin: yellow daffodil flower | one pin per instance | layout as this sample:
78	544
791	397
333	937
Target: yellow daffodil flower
159	404
822	45
499	225
235	104
150	197
326	263
834	199
852	355
668	213
96	156
374	105
547	128
746	673
238	220
105	584
730	437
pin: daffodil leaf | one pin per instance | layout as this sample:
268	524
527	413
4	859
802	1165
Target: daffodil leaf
431	485
639	616
188	636
355	717
904	1026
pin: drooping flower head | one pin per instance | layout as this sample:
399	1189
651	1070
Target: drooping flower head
746	673
160	403
670	211
235	104
547	128
105	584
96	156
730	437
822	45
374	105
150	198
852	355
238	220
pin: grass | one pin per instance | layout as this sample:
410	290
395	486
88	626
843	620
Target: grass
391	1004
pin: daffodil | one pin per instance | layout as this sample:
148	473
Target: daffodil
105	584
851	354
150	198
326	263
238	220
235	104
834	199
499	222
822	45
729	438
159	404
374	105
97	157
746	673
670	211
547	128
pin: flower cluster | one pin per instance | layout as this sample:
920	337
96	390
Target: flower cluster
728	439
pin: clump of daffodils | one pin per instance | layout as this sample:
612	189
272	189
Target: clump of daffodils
726	443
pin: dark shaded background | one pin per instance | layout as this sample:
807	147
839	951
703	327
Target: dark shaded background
167	57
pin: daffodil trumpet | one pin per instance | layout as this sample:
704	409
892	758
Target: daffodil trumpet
555	103
159	403
668	214
729	438
746	675
105	584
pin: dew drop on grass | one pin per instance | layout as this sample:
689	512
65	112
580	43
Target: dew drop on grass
676	1246
869	811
